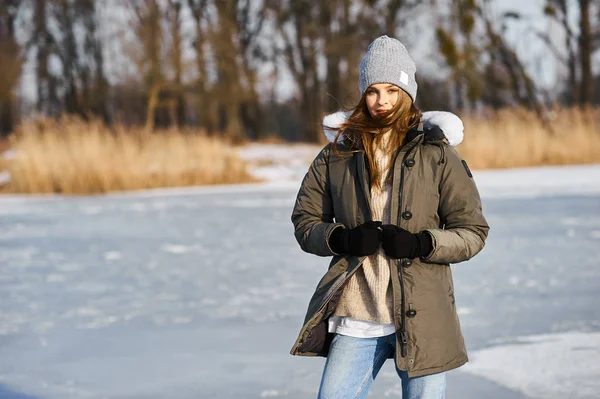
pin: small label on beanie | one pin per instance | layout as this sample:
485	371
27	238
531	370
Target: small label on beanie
404	77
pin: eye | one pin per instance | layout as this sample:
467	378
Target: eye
392	90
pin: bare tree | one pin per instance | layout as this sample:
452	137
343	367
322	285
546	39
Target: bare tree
237	53
523	85
559	11
176	89
205	109
76	82
586	44
44	46
227	60
320	43
483	64
147	25
461	53
96	86
250	24
11	60
299	26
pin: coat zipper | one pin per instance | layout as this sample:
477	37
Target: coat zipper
326	300
333	291
402	335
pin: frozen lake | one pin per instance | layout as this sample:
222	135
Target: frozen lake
199	293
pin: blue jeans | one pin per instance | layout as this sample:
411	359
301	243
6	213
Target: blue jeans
353	364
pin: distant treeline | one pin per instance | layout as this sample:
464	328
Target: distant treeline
215	64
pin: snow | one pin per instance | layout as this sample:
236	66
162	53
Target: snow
280	164
544	366
9	154
4	177
539	181
200	292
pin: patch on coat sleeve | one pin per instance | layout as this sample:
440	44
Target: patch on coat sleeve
467	168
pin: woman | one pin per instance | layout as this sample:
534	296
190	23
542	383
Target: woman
394	204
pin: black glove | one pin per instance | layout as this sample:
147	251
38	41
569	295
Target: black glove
399	243
362	240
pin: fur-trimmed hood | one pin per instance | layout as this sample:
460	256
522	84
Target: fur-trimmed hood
435	123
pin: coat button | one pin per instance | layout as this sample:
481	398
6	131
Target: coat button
407	263
411	313
410	163
407	215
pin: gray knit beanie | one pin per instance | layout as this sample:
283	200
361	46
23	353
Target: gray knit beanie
387	61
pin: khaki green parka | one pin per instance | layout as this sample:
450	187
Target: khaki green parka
432	190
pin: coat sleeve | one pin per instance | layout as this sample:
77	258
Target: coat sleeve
313	212
464	227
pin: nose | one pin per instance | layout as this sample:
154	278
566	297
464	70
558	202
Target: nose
383	99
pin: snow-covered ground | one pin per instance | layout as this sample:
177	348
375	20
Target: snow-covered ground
4	175
200	292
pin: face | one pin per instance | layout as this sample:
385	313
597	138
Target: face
380	98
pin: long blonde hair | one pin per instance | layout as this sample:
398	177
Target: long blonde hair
362	132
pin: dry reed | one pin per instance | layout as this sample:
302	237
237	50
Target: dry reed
517	138
73	157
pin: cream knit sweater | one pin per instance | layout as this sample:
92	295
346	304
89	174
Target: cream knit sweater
368	293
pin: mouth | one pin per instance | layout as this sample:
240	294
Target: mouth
381	111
